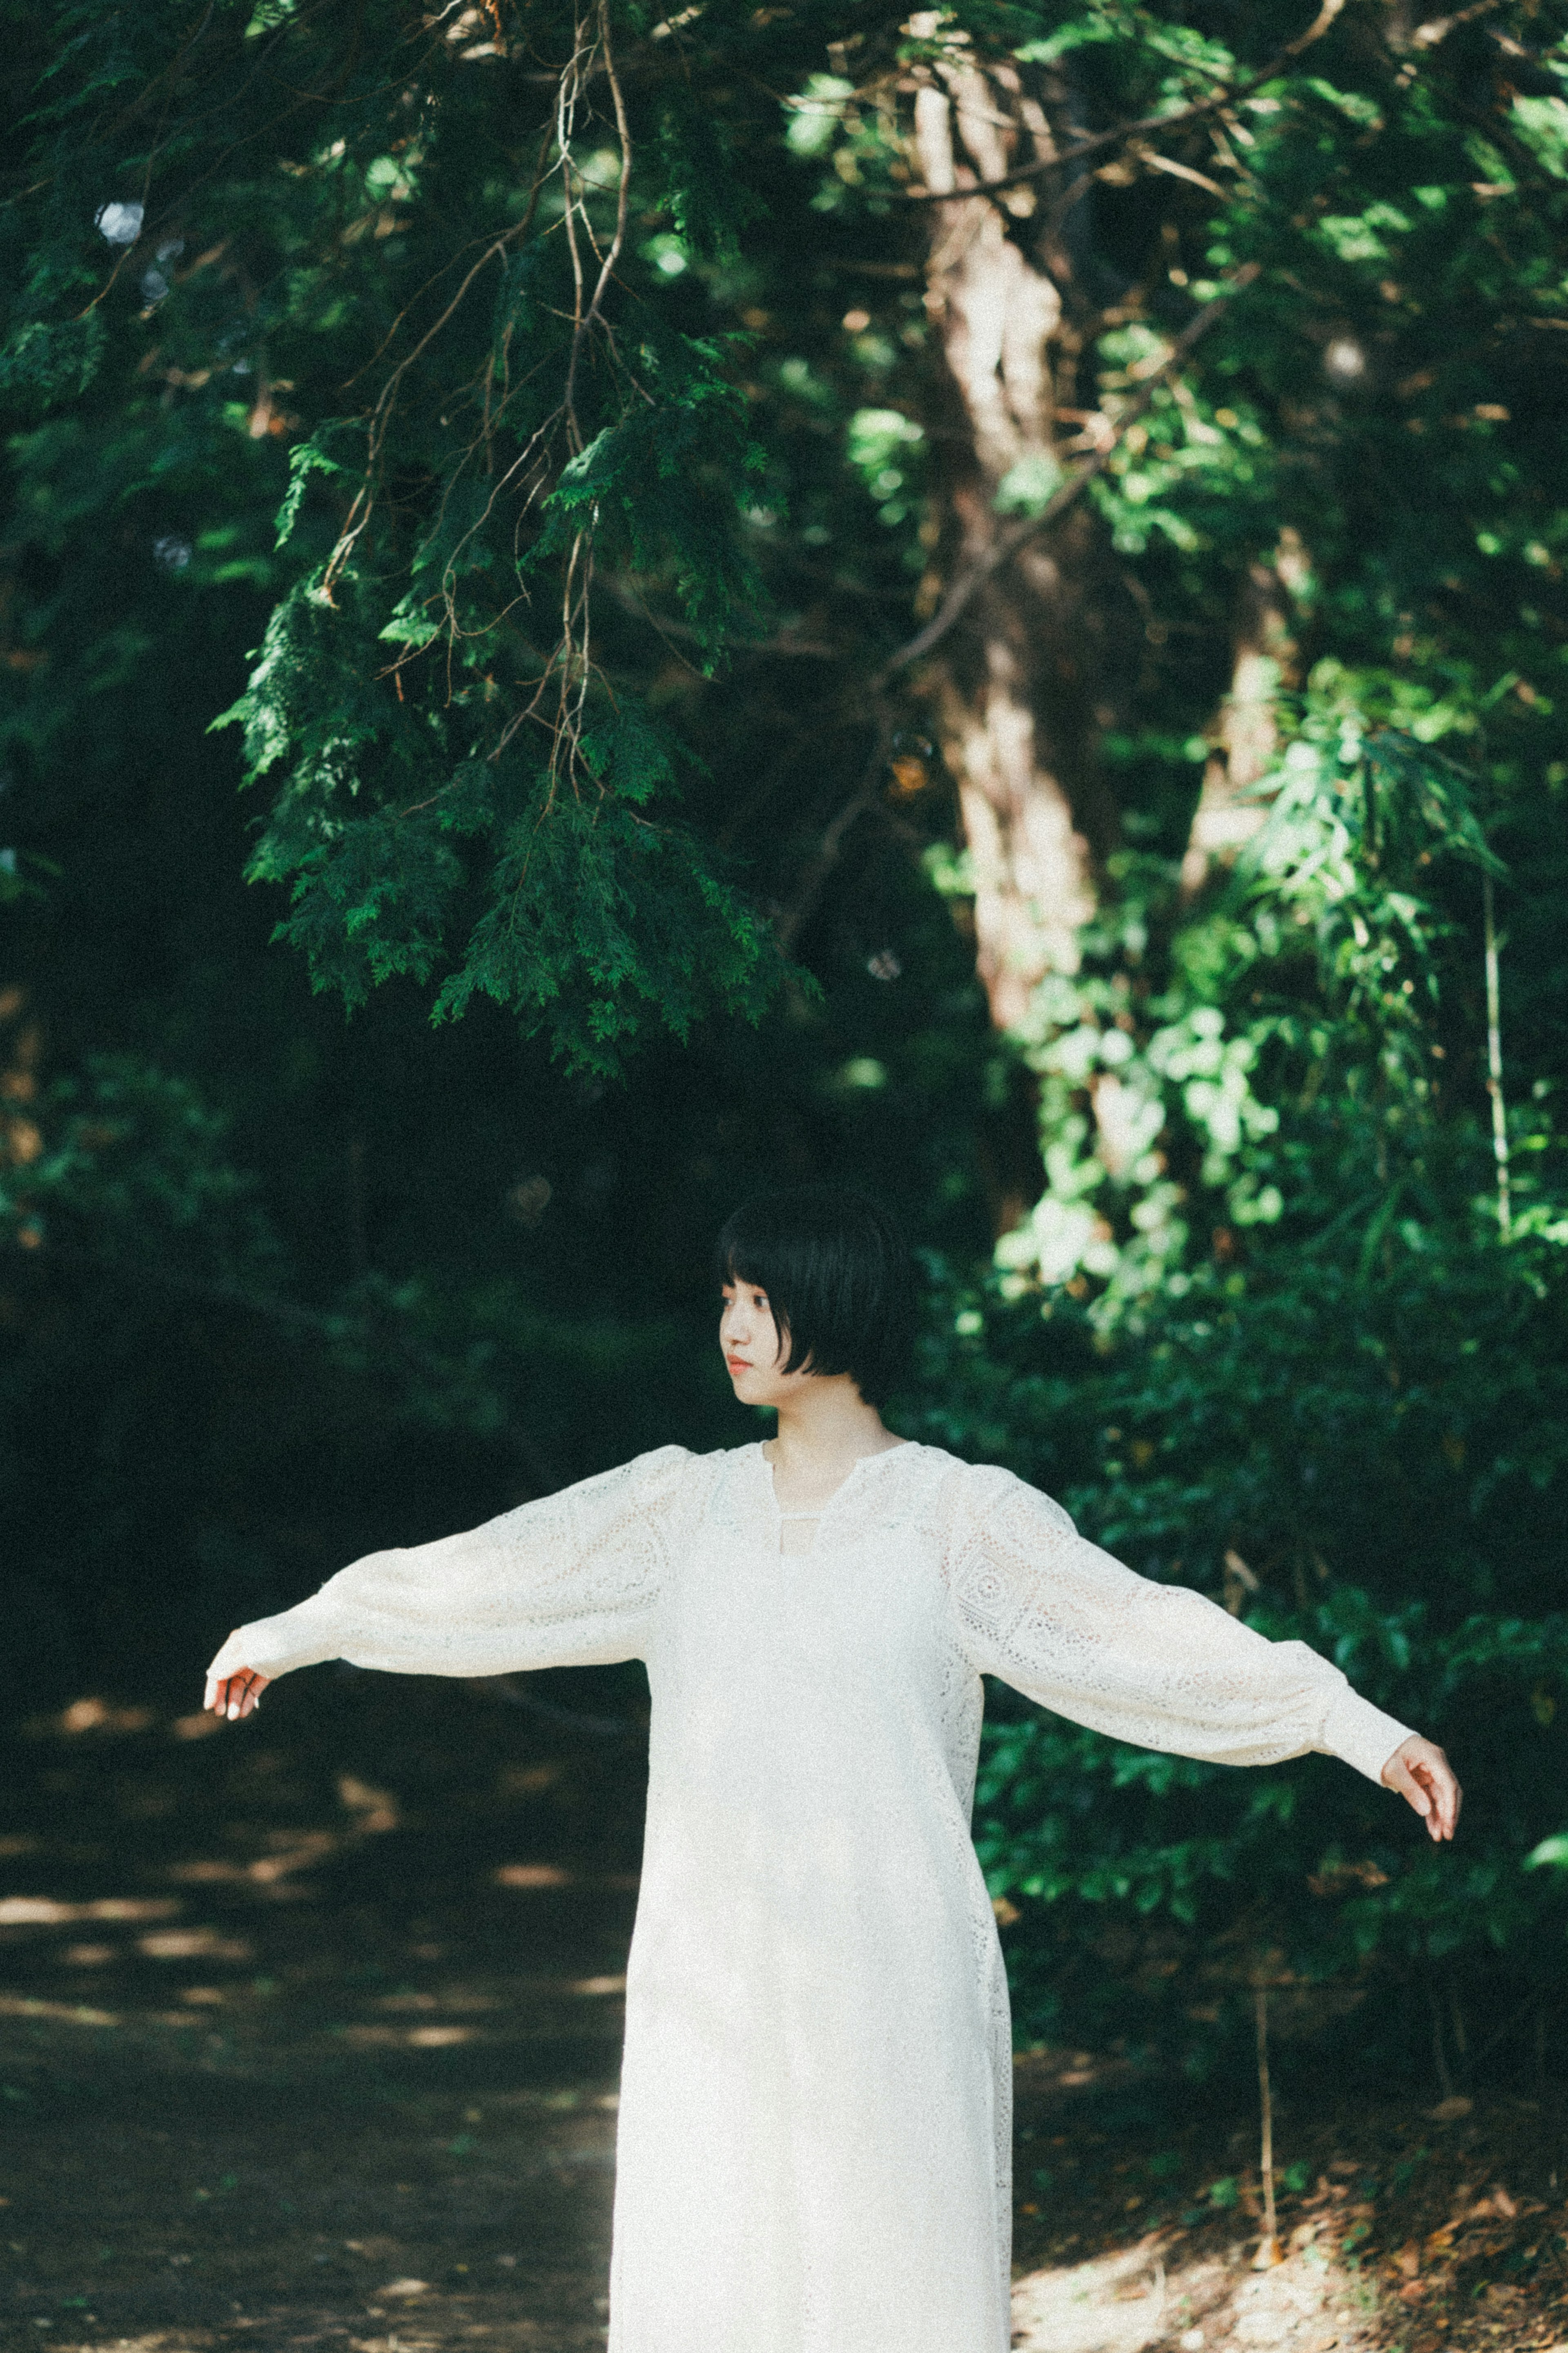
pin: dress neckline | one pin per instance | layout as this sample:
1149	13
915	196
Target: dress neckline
861	1462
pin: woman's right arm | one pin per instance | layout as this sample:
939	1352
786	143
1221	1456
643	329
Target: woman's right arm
572	1581
1159	1665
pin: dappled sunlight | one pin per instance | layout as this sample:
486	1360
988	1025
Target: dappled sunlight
197	1726
65	2013
90	1715
554	1875
47	1912
1116	2304
405	2038
1126	2301
361	1915
192	1943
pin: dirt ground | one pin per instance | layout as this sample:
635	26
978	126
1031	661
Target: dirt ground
309	2033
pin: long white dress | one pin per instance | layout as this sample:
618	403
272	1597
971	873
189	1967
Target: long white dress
814	2149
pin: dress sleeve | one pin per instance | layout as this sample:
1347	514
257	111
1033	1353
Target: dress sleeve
572	1581
1158	1665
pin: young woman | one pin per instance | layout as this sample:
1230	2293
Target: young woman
813	2148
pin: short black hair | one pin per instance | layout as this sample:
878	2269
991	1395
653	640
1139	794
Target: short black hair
840	1280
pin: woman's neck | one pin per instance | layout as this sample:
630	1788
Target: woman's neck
823	1431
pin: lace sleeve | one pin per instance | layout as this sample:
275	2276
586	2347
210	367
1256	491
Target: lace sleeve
572	1581
1159	1665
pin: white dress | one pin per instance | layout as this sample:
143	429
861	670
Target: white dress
814	2147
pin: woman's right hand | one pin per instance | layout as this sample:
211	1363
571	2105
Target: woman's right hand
1425	1779
236	1694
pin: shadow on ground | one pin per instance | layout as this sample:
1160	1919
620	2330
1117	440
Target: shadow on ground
309	2033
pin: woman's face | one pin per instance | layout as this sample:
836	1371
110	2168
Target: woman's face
750	1340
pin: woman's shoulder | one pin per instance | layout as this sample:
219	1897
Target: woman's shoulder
955	1471
928	1483
982	1493
683	1469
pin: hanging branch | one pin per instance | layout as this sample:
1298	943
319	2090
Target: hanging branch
623	195
1494	1062
589	48
568	669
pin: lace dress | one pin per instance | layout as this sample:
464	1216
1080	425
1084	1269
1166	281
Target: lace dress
814	2143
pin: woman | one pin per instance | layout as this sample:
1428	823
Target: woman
814	2146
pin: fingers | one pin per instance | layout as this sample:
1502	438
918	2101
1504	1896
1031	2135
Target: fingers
217	1696
1423	1778
1448	1796
1438	1780
236	1695
245	1693
1400	1777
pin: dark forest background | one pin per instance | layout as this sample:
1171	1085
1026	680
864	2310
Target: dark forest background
969	603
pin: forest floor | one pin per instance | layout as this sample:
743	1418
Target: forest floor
309	2033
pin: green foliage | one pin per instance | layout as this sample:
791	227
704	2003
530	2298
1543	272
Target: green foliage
1364	1460
533	416
1365	832
587	928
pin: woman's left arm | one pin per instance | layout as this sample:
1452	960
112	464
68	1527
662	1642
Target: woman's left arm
1159	1665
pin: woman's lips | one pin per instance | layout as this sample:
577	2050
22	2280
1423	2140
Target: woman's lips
739	1364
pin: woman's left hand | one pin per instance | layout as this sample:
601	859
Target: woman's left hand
235	1691
1425	1779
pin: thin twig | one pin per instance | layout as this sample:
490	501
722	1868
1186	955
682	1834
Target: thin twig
623	129
381	418
864	798
1269	2244
1440	2054
565	122
1494	1062
519	228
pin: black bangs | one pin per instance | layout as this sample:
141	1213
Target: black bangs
840	1280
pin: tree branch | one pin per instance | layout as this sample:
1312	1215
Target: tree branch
1122	132
861	800
967	587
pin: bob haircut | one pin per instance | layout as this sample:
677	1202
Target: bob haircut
840	1280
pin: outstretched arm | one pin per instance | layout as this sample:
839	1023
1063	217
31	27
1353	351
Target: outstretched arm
575	1579
1158	1665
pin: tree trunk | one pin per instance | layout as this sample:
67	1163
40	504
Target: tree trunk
1229	810
1017	691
